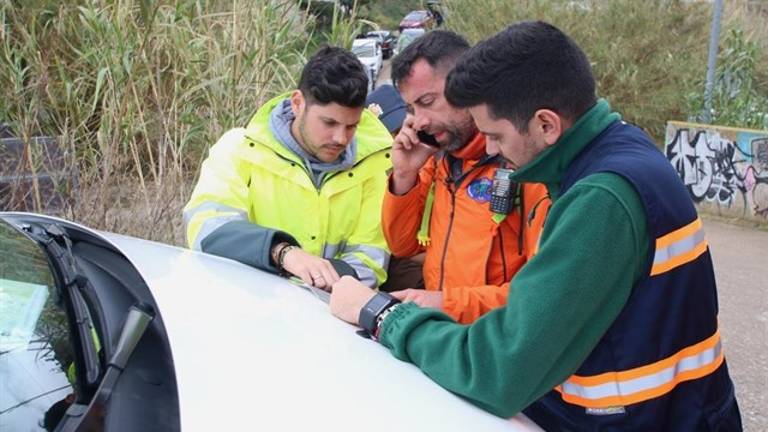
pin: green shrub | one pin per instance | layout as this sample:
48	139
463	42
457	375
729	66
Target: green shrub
738	98
647	56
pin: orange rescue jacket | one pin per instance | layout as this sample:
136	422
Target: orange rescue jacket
469	256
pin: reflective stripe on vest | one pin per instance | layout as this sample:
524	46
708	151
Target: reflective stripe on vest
679	247
636	385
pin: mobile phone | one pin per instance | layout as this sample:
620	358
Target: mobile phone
503	191
427	139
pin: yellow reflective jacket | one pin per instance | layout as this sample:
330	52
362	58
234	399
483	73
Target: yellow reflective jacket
253	183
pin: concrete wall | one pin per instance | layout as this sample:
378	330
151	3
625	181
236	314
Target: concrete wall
725	169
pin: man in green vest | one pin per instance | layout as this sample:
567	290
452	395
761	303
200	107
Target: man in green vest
299	190
612	325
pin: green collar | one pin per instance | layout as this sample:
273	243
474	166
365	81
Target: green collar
550	165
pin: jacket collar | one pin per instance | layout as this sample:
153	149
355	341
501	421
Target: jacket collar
474	150
550	166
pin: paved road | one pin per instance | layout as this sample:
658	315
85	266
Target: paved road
383	77
741	268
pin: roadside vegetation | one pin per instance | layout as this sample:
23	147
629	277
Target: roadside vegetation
138	91
650	58
138	94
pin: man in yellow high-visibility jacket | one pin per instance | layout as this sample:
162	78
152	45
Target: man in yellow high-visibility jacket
299	190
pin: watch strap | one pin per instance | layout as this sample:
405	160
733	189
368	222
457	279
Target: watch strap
371	311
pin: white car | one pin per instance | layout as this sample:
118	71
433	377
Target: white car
368	51
386	40
164	338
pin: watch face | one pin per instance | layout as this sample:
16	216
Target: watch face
377	303
372	309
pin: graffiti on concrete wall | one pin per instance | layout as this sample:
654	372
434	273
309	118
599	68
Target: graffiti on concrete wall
725	166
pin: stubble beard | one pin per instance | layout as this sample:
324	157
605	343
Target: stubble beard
459	137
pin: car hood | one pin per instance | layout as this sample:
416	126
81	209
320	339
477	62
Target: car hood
253	350
259	350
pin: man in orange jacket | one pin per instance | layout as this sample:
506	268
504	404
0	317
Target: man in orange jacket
438	197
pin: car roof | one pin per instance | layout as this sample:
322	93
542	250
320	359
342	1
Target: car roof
413	31
361	42
417	14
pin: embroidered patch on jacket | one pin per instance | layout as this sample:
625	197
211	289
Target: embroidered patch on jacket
480	190
606	411
376	109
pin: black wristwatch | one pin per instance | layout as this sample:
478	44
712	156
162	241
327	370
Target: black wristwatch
375	306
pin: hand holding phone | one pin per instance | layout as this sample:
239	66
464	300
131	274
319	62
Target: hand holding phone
427	139
409	155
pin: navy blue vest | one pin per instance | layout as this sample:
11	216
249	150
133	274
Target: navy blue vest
660	365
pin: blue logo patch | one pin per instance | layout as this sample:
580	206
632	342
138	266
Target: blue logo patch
480	190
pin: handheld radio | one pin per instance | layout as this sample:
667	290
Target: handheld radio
503	191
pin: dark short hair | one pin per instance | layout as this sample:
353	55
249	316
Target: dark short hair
334	75
525	67
440	48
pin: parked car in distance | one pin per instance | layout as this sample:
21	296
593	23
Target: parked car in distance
406	37
386	39
368	51
418	19
166	339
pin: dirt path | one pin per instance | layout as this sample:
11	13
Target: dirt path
741	268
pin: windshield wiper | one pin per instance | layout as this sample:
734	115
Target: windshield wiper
72	280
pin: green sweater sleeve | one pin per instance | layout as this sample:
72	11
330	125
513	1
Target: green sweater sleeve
593	249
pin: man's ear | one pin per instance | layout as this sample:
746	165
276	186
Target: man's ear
548	125
298	103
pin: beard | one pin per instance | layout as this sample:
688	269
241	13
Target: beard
311	147
530	151
459	136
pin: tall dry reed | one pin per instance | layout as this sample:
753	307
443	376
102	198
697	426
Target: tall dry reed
137	94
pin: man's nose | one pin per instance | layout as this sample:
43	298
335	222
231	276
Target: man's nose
340	136
421	121
491	148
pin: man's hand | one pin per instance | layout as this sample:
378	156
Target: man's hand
423	298
409	154
312	269
348	297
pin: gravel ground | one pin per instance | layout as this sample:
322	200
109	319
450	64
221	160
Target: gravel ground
741	268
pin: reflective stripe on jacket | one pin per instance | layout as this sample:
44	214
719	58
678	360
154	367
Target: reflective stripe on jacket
250	176
660	366
469	256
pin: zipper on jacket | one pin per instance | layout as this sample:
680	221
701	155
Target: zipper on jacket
522	220
294	163
453	185
521	204
447	237
503	257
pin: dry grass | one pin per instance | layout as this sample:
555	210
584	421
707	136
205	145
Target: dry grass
137	95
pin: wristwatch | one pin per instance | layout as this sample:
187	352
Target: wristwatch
371	311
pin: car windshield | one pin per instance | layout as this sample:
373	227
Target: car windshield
36	353
364	50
